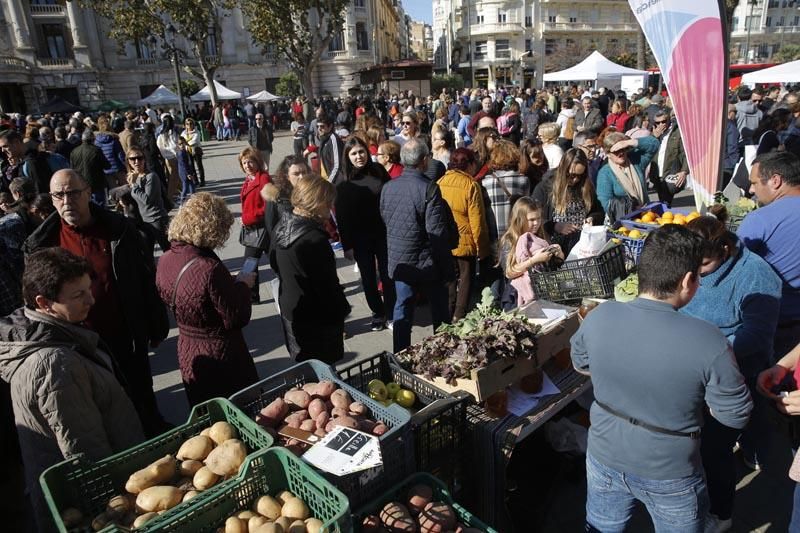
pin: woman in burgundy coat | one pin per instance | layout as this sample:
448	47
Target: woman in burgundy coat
210	306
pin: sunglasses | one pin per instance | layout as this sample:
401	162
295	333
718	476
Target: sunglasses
406	123
575	176
620	153
136	158
660	122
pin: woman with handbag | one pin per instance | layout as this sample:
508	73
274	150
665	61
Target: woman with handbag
253	235
192	136
210	306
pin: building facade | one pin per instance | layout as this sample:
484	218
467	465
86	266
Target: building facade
54	48
421	41
761	27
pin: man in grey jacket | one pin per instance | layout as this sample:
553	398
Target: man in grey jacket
588	117
651	387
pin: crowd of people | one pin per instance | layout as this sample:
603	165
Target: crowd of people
433	199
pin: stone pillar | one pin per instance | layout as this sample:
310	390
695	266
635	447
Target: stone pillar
19	23
78	30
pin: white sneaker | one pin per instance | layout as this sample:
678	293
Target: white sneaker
355	268
390	325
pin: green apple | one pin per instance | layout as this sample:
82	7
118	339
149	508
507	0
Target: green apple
392	387
406	398
377	390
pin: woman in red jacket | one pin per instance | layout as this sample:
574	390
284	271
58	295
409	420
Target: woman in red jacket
618	116
254	234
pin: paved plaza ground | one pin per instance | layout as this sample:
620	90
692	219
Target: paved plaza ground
763	498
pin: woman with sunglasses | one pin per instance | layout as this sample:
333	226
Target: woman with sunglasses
621	184
568	200
739	293
532	161
409	128
146	191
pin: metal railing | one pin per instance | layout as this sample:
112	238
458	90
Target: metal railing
595	26
149	61
54	62
336	53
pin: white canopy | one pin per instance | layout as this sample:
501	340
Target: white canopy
160	96
785	73
223	93
263	96
594	67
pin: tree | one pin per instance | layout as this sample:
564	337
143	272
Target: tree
288	85
188	87
451	82
198	21
297	30
626	59
788	52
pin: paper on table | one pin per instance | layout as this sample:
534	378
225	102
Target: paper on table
553	314
520	403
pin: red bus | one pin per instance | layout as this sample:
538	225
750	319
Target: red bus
735	73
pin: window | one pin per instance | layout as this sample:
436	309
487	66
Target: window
337	42
143	51
362	38
478	19
550	46
551	18
54	41
358	3
734	23
781	21
528	21
502	49
211	42
769	22
528	45
43	2
796	21
775	48
480	50
573	19
501	17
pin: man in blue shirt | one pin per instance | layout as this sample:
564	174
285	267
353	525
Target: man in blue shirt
771	232
651	387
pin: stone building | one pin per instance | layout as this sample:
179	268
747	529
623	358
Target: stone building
759	29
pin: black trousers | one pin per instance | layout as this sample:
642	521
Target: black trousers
368	255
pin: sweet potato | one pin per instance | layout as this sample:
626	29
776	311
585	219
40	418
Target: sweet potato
322	419
329	426
222	431
204	479
340	398
418	497
196	448
310	388
315	407
339	411
273	414
380	429
345	421
235	525
268	506
295	419
142	519
297	398
437	517
190	467
366	425
156	473
397	519
324	389
358	408
308	425
158	498
371	524
225	459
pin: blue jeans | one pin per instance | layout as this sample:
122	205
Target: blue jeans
794	525
188	188
404	305
678	505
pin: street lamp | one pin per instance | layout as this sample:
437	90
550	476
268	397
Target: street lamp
171	34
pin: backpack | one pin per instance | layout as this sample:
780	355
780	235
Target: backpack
504	124
569	129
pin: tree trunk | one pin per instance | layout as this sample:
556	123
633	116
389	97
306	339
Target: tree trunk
307	79
208	76
641	47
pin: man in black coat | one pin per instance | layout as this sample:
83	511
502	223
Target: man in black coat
128	313
419	242
88	161
260	137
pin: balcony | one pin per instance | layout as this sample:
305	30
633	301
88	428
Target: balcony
776	30
146	62
47	10
333	54
365	53
596	26
9	63
55	63
490	29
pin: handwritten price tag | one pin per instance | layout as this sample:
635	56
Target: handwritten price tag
345	451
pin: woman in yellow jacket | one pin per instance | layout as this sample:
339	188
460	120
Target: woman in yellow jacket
465	199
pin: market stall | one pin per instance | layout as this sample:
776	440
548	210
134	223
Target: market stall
223	93
263	96
161	96
784	73
602	71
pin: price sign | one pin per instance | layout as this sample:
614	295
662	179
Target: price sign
344	451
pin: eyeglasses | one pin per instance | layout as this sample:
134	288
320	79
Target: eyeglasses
136	158
61	195
661	122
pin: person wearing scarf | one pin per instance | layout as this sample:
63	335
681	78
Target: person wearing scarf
621	185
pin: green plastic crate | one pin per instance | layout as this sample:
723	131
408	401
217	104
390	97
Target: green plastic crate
267	472
398	493
88	486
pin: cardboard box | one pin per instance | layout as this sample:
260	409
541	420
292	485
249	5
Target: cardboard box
554	337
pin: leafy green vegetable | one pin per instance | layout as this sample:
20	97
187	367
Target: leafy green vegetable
627	289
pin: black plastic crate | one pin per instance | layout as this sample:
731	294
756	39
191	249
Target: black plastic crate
593	277
439	425
396	444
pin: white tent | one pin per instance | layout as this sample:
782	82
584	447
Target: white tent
223	93
784	73
598	68
160	96
263	96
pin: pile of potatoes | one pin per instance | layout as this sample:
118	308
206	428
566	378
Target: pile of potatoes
316	408
418	514
200	463
283	513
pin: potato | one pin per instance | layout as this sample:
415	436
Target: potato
142	519
158	498
100	521
185	483
190	467
324	389
397	519
120	505
298	398
371	524
189	495
255	522
295	509
315	407
246	515
71	517
310	388
339	411
340	398
437	517
418	497
358	408
222	431
204	479
295	419
313	525
283	522
225	459
308	425
273	414
345	421
206	432
322	419
161	471
298	526
268	506
196	448
269	527
284	496
380	429
235	525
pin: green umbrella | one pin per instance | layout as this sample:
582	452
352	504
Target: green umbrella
112	105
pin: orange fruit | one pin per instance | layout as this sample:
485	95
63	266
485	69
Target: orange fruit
668	215
648	217
635	234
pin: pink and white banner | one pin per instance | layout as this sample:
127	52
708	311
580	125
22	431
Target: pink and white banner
688	42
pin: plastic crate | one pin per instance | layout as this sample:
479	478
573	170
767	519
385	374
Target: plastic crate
396	444
399	492
633	247
658	208
439	431
267	472
593	277
88	486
